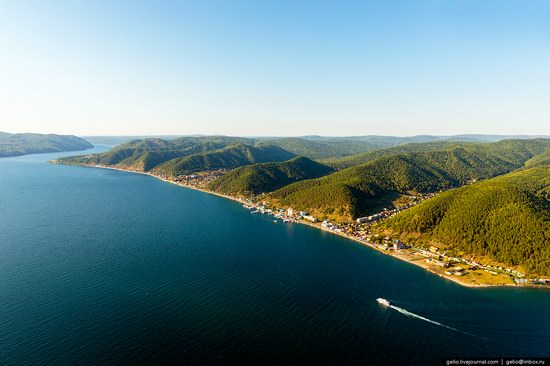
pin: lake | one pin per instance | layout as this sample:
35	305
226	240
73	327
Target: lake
107	267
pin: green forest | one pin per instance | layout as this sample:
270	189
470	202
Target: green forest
229	157
506	218
358	190
502	209
267	177
34	143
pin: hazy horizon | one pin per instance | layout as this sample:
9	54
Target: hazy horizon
168	136
247	68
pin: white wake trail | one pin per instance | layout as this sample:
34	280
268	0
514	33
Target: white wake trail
408	313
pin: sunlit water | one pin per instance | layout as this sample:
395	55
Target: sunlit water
107	267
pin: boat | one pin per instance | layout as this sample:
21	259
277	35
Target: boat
383	301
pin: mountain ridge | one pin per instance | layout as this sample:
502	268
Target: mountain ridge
34	143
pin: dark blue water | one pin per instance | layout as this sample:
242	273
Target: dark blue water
107	267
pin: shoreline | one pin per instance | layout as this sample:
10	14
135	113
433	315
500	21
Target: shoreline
401	256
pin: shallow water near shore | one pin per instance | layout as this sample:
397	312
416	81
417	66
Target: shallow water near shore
106	267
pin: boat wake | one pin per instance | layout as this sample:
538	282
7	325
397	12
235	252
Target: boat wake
408	313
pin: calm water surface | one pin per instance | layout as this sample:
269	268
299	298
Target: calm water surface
108	267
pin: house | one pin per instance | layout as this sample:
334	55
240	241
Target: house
365	219
440	263
309	218
398	245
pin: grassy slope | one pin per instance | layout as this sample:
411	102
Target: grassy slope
507	218
267	177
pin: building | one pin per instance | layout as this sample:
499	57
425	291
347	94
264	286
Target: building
365	219
309	218
438	263
398	245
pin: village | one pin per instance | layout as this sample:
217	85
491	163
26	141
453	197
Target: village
468	271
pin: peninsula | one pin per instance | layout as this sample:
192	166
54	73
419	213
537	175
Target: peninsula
403	199
34	143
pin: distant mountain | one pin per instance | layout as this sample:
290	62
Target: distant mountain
388	141
229	157
355	191
117	140
506	218
267	177
317	149
145	154
313	147
34	143
358	159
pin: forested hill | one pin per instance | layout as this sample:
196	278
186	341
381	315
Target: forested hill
145	154
183	155
327	148
34	143
355	191
230	157
507	218
539	160
344	152
267	177
363	158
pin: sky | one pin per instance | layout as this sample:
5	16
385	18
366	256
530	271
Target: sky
275	68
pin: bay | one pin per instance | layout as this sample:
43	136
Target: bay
107	267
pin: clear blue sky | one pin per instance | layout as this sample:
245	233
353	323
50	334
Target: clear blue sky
275	67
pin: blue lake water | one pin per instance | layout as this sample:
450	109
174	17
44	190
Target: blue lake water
107	267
